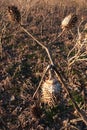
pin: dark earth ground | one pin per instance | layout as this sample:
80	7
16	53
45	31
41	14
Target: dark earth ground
22	63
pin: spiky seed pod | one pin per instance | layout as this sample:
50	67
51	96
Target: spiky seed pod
69	21
14	14
51	91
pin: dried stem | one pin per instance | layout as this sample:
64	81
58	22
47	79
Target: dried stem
1	47
44	73
58	36
80	112
46	49
79	55
75	120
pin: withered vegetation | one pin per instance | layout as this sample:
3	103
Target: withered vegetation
23	61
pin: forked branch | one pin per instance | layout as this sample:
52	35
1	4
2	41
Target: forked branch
80	112
44	47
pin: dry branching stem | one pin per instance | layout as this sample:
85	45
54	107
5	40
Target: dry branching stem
50	58
80	112
79	55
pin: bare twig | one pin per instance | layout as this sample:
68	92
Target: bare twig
46	49
79	55
1	46
74	127
80	112
75	120
60	34
44	73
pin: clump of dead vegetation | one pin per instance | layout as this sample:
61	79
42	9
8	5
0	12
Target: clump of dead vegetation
24	65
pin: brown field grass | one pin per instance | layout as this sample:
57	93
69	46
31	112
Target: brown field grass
23	61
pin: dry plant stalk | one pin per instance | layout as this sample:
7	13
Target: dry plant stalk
80	112
1	47
78	52
44	73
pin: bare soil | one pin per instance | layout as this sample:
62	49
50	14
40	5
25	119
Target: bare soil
22	62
